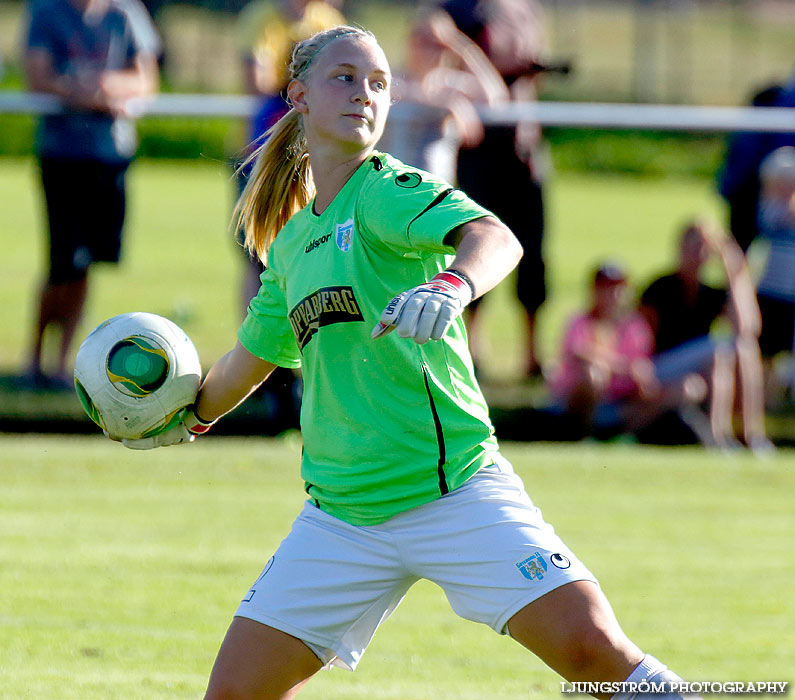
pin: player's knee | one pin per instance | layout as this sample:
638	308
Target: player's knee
597	653
224	689
230	687
232	691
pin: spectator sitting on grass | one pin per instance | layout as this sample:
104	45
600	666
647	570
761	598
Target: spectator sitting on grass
605	378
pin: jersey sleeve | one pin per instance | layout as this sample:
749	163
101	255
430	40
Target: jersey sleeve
38	34
266	332
411	209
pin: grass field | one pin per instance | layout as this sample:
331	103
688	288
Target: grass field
120	570
180	261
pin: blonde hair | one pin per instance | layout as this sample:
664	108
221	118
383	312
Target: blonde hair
281	180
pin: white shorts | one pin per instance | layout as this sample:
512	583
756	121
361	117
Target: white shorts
331	584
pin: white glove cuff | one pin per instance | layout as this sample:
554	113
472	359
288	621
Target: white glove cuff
196	425
460	281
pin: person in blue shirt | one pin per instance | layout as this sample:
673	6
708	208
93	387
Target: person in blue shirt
94	55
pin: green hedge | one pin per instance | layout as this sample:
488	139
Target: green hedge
635	152
161	137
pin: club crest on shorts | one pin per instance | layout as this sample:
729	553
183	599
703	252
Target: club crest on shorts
533	568
344	235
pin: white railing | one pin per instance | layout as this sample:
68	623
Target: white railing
578	114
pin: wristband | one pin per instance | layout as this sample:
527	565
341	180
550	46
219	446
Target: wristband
195	424
464	278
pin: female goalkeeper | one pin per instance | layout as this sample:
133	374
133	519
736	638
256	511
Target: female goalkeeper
400	463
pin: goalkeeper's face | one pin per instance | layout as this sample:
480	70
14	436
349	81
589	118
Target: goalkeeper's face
346	96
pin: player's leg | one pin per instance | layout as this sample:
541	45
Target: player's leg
43	317
527	221
319	600
65	284
258	661
752	395
71	302
499	563
574	631
721	406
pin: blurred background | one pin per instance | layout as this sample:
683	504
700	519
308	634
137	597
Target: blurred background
617	194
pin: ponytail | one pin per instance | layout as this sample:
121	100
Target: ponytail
280	185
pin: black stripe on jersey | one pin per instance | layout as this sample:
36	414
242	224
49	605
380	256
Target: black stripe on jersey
438	199
307	487
443	488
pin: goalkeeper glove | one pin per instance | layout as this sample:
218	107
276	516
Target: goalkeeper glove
426	312
185	430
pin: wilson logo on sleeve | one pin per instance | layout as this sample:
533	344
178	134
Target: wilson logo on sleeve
325	307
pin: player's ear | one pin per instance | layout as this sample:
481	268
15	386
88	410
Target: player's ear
296	94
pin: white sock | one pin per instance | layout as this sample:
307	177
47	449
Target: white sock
650	670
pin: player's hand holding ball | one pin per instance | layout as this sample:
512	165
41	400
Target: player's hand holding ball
425	312
137	376
186	430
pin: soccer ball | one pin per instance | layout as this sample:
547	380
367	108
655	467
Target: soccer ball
133	374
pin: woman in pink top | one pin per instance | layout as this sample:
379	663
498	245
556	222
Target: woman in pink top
605	373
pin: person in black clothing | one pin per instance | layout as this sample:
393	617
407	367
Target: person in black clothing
681	311
505	172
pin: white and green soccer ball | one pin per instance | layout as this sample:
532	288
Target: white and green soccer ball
134	373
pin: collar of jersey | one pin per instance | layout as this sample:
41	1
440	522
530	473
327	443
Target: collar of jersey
353	182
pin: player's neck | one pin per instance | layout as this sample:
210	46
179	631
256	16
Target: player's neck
330	171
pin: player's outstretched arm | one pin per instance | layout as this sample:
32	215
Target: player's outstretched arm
230	380
486	251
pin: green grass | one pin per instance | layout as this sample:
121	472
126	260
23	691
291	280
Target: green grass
180	261
120	570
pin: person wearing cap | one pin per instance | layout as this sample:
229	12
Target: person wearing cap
682	311
605	376
776	287
739	179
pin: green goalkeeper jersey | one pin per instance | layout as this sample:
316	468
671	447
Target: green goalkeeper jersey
387	424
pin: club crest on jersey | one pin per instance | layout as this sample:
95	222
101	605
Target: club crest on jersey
324	307
533	568
344	235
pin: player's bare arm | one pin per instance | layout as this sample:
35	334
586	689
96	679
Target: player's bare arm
229	382
743	308
486	252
